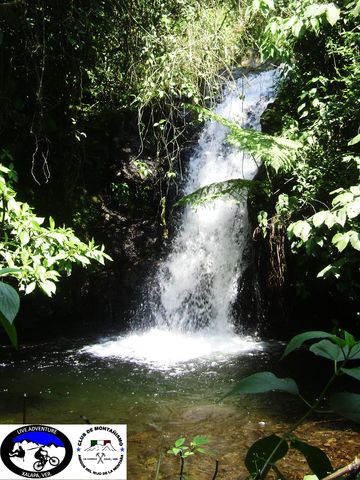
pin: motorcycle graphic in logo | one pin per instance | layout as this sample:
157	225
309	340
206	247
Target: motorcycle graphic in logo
36	451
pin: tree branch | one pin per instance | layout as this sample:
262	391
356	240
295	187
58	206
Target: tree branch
352	467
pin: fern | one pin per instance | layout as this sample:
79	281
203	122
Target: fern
277	153
234	188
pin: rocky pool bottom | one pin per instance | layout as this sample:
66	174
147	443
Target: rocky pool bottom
67	381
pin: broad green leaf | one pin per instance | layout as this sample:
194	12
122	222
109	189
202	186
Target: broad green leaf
7	270
316	458
298	340
319	218
260	452
179	442
330	220
199	440
30	288
264	382
354	353
352	372
324	271
328	350
301	229
354	140
346	404
9	301
356	12
332	14
48	287
355	240
353	208
340	240
24	238
10	330
343	198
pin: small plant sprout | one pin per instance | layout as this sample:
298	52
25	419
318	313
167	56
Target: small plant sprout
183	451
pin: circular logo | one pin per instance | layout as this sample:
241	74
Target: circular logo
36	451
100	450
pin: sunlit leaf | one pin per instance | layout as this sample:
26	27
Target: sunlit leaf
200	440
356	139
180	441
319	218
332	14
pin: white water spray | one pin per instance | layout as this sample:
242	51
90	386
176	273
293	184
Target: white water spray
197	284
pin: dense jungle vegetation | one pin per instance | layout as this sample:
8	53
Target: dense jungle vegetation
94	118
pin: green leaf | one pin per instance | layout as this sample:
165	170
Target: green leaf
48	287
10	330
264	382
298	340
24	238
179	442
355	240
324	271
352	372
328	350
319	218
199	440
346	404
271	448
354	140
9	301
30	288
316	458
332	14
7	270
301	229
353	208
340	240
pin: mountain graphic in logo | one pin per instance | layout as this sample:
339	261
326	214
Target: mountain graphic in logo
100	446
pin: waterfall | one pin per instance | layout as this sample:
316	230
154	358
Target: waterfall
192	294
198	281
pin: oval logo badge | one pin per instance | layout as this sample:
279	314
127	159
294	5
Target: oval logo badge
36	451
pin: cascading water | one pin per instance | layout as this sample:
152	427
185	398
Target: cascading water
197	284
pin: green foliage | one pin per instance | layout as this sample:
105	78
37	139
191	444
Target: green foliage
9	306
264	382
318	102
277	153
235	188
265	452
196	446
291	22
258	455
35	256
183	451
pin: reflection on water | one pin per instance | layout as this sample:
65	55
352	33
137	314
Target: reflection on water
63	382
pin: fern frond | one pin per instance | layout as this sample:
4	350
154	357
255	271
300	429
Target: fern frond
275	152
234	188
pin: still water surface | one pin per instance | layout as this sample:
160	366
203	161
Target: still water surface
66	380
